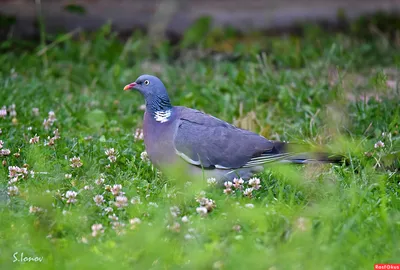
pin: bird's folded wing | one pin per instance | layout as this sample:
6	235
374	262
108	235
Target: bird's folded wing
206	141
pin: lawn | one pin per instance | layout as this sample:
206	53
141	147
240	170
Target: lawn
77	192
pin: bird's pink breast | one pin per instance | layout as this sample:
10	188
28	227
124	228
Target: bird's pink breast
158	139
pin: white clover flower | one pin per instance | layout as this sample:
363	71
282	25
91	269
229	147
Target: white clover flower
379	144
12	190
144	156
228	187
35	111
1	144
121	201
97	229
201	210
112	159
50	142
87	187
13	181
211	181
46	124
108	210
99	181
17	155
15	172
174	211
188	236
3	112
118	227
136	200
71	196
56	134
208	204
249	205
113	217
228	184
68	176
153	204
84	240
116	189
248	192
188	184
110	152
228	191
138	134
236	228
185	219
52	117
98	199
5	152
76	162
255	183
176	227
171	195
134	222
34	209
12	111
238	183
24	171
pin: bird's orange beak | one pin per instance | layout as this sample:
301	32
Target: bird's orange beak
129	86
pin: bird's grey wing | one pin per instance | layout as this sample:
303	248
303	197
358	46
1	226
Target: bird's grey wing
209	142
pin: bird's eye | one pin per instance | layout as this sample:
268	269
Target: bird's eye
146	82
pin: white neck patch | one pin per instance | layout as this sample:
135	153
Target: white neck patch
162	116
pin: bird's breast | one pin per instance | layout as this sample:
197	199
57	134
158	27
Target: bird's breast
159	140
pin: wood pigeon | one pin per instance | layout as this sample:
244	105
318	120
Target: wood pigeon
208	146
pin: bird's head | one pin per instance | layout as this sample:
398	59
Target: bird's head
148	86
154	93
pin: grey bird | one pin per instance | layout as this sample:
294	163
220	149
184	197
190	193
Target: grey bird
208	146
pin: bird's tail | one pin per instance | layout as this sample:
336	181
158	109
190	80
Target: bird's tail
305	158
290	153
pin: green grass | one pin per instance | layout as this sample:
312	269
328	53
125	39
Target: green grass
315	90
